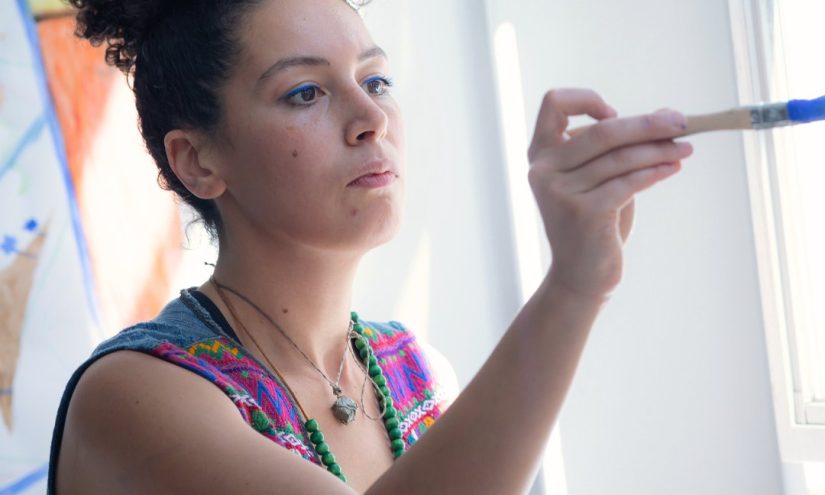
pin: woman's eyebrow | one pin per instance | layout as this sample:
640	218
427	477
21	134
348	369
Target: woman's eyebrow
288	62
375	51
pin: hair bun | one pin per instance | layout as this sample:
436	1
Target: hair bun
122	24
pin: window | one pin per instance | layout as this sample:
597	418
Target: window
779	45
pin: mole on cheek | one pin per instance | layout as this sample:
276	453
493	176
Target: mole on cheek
286	311
353	212
294	153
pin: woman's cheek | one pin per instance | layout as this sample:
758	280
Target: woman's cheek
292	142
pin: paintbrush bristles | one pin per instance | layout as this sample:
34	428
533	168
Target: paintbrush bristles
737	118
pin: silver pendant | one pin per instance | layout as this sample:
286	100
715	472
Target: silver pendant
344	409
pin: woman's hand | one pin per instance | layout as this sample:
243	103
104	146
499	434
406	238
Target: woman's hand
584	182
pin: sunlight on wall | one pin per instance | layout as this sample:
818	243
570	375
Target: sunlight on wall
525	218
511	104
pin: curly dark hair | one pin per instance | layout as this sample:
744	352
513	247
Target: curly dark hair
178	53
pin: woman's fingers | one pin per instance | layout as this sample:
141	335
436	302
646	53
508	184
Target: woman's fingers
624	161
604	136
584	181
578	130
556	108
620	191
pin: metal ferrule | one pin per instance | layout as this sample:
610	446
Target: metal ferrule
769	115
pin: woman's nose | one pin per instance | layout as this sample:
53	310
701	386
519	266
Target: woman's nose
367	121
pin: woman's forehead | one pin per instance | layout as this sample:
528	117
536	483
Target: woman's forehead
292	28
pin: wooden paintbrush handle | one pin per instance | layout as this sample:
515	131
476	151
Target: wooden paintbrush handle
734	119
739	118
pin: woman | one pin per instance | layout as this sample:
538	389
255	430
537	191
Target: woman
273	119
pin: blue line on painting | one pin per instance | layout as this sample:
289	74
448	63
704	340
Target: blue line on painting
24	483
29	137
60	149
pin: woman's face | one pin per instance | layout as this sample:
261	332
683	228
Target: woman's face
307	112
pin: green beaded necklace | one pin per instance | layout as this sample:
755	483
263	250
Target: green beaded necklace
385	402
390	415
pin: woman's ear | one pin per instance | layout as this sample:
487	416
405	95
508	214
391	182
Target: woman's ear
188	156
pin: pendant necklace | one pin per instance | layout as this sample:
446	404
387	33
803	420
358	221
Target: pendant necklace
344	408
388	414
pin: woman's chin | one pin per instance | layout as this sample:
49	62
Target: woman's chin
379	230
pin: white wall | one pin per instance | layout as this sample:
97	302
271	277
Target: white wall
673	392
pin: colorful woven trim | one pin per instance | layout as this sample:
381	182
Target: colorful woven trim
268	407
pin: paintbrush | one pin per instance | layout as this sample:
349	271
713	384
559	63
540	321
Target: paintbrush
761	116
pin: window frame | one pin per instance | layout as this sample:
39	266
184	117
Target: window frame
800	421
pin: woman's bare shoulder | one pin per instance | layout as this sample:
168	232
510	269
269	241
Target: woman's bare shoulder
137	424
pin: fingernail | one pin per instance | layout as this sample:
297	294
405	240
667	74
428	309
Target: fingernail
675	119
684	147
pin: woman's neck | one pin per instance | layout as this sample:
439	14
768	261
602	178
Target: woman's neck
307	293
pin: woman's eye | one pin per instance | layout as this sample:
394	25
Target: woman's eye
303	96
378	85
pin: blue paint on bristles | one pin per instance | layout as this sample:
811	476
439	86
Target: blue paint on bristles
806	110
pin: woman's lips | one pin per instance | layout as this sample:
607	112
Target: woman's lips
374	180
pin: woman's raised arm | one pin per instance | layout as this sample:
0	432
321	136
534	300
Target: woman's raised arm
491	439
